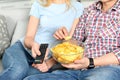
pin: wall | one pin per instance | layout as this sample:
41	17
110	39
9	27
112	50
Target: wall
14	11
20	9
87	3
17	10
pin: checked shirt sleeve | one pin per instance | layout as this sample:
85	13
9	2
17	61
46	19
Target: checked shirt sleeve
79	33
117	51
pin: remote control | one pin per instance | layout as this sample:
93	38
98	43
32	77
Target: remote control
39	59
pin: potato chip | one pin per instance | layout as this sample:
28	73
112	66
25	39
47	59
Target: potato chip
67	52
68	38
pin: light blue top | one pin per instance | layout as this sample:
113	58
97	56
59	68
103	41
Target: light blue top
52	18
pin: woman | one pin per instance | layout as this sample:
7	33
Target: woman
46	16
99	29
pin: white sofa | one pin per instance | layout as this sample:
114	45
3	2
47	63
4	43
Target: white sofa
17	14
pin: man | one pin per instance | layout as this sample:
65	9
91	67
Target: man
99	30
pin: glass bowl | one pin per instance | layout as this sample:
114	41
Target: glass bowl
67	52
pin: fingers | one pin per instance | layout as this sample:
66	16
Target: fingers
84	61
70	66
35	50
42	67
46	54
61	33
65	32
33	53
77	61
58	34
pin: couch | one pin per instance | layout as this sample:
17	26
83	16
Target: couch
16	15
16	31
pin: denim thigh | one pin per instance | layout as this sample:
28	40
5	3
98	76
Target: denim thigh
111	72
56	75
16	62
100	73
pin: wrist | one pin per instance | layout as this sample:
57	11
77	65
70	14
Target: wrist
28	43
50	62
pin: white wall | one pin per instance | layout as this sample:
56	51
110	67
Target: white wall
20	9
87	3
14	12
17	10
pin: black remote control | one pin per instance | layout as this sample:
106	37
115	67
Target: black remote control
39	59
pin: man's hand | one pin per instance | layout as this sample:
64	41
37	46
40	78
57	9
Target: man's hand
78	64
61	33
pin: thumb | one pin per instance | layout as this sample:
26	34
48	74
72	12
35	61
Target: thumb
65	31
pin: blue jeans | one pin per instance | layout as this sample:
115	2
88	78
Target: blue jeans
100	73
17	63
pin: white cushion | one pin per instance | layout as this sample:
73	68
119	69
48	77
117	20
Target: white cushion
20	30
4	35
1	68
11	24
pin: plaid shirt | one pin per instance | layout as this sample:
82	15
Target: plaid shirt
99	31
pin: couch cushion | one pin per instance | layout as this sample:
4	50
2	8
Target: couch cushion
20	30
4	35
11	24
1	68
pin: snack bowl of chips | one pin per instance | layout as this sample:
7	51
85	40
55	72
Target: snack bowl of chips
67	52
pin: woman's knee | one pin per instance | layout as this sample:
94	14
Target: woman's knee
14	69
14	73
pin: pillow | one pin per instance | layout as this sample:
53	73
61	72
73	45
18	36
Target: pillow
20	30
4	35
11	24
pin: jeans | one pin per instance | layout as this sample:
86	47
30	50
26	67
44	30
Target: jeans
17	63
111	72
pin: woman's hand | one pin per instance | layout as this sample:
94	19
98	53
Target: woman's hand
41	67
35	49
61	33
45	66
78	64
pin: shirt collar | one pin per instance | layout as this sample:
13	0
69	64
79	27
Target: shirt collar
115	7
